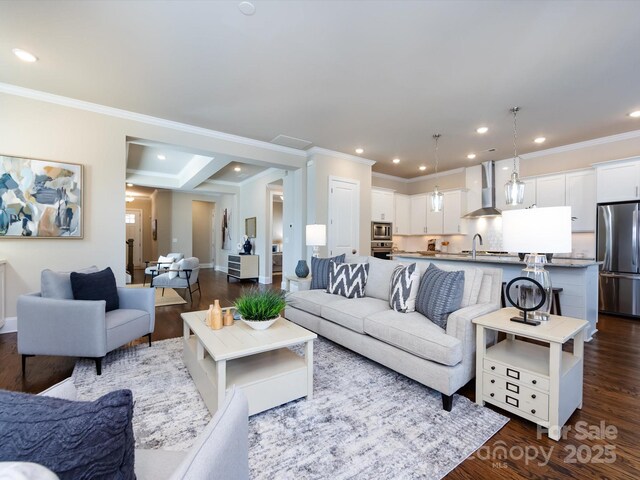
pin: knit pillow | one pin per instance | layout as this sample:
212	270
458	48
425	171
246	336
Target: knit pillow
320	271
403	288
439	294
348	279
96	286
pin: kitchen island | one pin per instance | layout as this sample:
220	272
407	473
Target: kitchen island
578	278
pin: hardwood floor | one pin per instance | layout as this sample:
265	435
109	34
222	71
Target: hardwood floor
611	395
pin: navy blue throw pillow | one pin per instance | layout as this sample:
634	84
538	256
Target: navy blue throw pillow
76	440
96	286
439	294
320	271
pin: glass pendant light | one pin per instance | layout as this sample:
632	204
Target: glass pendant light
514	188
437	198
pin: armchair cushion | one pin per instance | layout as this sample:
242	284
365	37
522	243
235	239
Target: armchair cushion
76	440
58	284
96	286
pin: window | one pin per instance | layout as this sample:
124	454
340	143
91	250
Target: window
130	218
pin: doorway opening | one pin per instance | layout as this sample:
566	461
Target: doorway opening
202	237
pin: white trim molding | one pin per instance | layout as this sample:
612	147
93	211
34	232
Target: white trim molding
341	155
10	325
416	179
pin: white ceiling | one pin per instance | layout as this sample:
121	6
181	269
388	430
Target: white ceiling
145	158
383	75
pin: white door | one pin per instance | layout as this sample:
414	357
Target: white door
133	219
344	216
581	197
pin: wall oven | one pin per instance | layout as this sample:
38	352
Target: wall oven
381	250
381	231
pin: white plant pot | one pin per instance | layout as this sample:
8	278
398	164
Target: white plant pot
260	324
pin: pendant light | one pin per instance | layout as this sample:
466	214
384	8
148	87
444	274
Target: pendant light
437	198
514	188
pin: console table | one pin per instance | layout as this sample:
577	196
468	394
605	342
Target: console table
243	267
541	383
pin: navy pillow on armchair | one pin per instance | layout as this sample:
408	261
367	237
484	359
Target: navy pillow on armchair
96	286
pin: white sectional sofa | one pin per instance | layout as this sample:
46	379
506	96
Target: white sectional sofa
408	343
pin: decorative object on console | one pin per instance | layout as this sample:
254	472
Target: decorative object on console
260	309
320	271
514	188
437	197
40	199
439	294
302	269
316	237
404	288
246	246
524	286
348	279
537	230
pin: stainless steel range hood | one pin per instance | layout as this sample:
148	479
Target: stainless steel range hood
488	193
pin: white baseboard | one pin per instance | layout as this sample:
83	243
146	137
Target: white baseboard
221	268
206	265
265	280
10	325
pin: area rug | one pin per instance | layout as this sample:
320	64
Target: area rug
170	297
365	421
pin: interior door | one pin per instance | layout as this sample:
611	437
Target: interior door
344	216
133	220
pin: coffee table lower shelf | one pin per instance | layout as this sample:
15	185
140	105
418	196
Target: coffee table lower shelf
268	379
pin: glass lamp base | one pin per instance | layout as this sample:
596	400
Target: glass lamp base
530	296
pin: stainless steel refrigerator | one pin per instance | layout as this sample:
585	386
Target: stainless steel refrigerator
618	247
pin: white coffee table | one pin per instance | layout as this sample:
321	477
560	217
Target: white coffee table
258	362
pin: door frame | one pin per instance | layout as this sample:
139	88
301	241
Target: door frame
138	212
356	183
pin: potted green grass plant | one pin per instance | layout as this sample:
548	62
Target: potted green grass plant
260	309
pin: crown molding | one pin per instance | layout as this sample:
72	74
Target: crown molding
259	175
150	173
341	155
142	118
417	179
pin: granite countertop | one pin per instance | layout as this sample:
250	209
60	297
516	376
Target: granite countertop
501	259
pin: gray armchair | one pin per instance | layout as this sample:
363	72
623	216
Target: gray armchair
186	277
151	269
81	328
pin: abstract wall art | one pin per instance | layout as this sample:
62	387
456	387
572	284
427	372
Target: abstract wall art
40	198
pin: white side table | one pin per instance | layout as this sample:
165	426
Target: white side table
298	283
540	383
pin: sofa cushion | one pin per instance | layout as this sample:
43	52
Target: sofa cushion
320	271
310	301
379	278
58	284
415	334
348	279
350	313
96	286
472	282
404	288
76	440
440	293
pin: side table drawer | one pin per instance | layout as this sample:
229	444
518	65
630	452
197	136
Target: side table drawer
516	395
525	378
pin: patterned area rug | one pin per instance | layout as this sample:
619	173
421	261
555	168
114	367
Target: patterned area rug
170	297
365	421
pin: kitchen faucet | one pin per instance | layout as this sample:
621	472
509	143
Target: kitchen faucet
473	245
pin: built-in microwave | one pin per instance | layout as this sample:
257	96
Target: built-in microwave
381	231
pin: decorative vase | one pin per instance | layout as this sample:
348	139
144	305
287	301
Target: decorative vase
247	247
302	269
216	316
209	316
260	324
228	318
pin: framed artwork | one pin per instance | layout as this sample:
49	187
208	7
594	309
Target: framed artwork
40	198
154	229
250	227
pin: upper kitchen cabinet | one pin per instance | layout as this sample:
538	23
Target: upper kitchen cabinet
402	223
418	214
382	205
434	219
455	202
550	191
473	182
618	182
581	197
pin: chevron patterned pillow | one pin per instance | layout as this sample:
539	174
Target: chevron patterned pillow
403	288
348	279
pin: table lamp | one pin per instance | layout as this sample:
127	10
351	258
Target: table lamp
316	237
539	230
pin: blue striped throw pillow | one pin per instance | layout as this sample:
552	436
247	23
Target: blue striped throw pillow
439	294
320	271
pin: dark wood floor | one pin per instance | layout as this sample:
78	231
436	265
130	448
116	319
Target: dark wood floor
611	395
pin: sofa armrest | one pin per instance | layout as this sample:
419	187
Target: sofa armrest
460	325
48	326
139	299
64	389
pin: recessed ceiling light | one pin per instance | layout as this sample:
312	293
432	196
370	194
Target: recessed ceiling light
539	140
161	157
247	8
396	160
471	156
482	129
129	198
237	169
129	184
635	114
505	168
359	151
24	55
422	168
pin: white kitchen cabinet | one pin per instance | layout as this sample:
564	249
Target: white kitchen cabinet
581	197
418	214
434	219
618	182
402	224
454	203
382	205
473	183
550	191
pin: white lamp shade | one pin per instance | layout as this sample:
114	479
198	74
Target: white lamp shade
537	230
316	235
